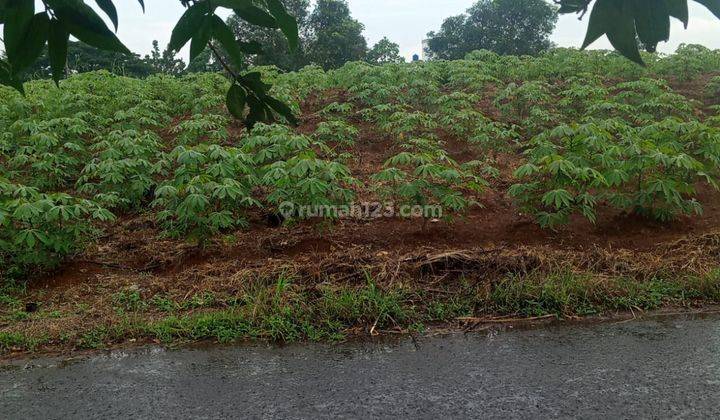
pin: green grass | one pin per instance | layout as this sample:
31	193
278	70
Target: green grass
13	340
568	294
449	308
287	312
284	313
8	301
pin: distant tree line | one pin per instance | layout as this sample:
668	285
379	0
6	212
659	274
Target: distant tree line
331	37
83	58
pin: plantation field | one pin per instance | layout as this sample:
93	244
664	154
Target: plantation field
575	183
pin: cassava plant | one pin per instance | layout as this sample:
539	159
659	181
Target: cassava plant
651	171
336	132
123	169
293	169
424	175
39	230
209	192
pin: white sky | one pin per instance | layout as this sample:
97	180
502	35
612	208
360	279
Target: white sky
403	21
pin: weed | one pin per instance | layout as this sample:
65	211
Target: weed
93	339
129	300
15	340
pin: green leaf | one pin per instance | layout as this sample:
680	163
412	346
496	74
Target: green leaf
27	237
103	215
622	35
196	202
18	15
282	109
313	186
86	25
201	38
58	37
679	10
236	100
258	112
604	12
225	36
712	5
108	7
288	24
142	4
526	171
26	211
389	175
651	22
31	44
3	6
254	80
454	201
166	191
188	26
558	198
614	18
409	190
252	14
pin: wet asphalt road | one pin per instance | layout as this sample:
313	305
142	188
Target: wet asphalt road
658	368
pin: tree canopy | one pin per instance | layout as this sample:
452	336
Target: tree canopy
502	26
385	51
334	37
83	58
328	37
276	50
165	61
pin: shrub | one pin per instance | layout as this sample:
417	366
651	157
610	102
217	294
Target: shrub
425	175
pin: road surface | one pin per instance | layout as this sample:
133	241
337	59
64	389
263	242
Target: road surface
664	367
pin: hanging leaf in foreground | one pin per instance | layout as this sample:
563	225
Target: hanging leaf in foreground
624	22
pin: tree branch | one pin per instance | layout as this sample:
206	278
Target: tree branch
222	62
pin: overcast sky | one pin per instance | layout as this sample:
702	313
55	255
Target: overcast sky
403	21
